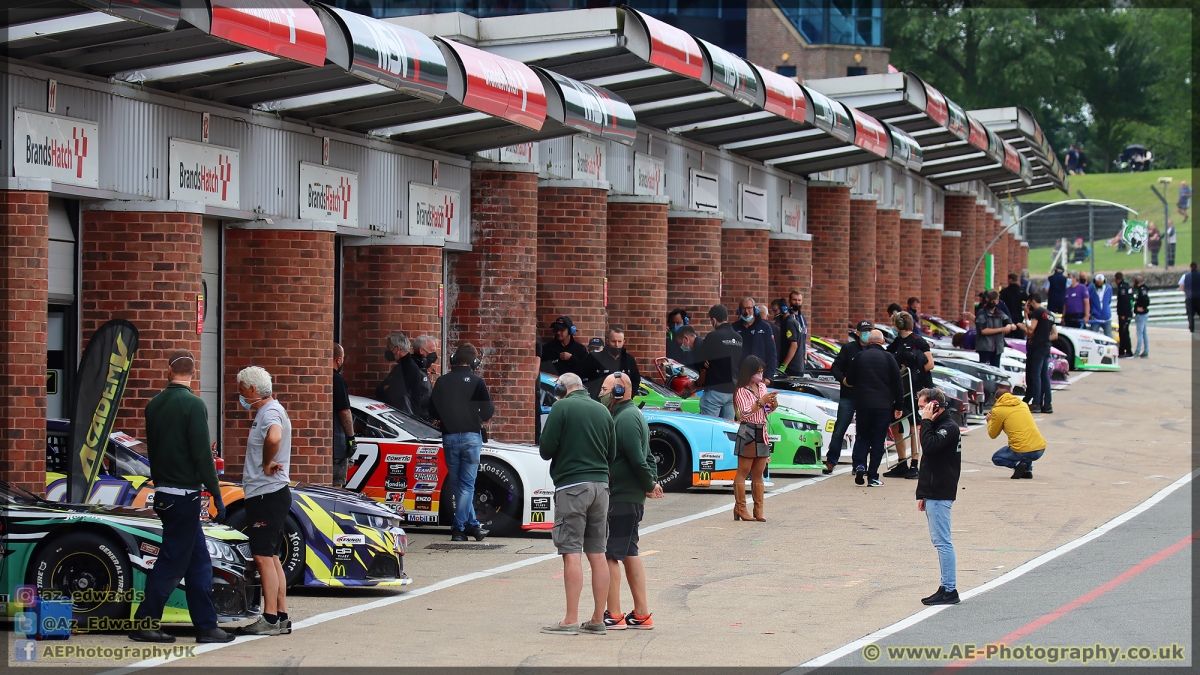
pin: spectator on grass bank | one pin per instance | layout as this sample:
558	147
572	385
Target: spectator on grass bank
1189	283
719	358
1039	331
1026	284
937	487
1025	442
1100	304
758	336
1014	296
875	377
992	327
579	440
1124	315
462	403
845	411
1169	238
1075	305
1185	199
343	420
1055	287
1141	313
1154	242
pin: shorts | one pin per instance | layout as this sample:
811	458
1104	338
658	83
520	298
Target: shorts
623	519
581	518
339	471
265	518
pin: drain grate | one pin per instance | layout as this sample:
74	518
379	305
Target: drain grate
455	546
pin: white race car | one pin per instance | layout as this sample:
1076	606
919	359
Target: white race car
399	460
824	413
1087	350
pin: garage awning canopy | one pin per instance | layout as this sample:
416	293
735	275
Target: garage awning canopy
316	63
1017	125
903	100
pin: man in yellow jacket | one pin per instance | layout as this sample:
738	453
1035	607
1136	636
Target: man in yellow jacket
1025	442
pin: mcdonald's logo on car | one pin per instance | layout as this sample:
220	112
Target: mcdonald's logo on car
339	570
537	516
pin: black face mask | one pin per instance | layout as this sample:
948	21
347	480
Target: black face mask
426	361
388	356
613	351
796	309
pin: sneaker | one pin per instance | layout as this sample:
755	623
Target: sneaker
1047	410
1020	470
260	627
939	591
559	629
1145	356
286	629
900	469
639	622
615	624
590	628
874	482
458	536
151	636
859	472
943	598
215	635
1125	356
912	473
478	532
1027	474
1035	408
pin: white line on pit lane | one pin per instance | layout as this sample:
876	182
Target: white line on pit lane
1078	377
882	633
455	581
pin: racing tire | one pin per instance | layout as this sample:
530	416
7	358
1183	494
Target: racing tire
1064	345
673	457
291	550
85	561
499	499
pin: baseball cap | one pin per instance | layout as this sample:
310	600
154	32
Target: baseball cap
1099	277
563	322
864	325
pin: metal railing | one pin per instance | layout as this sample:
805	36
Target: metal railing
1165	307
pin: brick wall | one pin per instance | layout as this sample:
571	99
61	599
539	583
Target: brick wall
637	276
1001	251
864	274
279	315
790	265
491	290
24	261
960	217
887	258
931	271
745	266
571	247
829	225
951	290
981	234
693	265
770	35
1023	255
910	259
385	289
144	267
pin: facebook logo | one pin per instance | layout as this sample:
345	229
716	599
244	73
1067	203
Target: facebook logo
25	651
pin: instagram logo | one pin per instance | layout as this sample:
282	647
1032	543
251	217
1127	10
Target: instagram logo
25	595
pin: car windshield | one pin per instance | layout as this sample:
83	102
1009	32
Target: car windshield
11	494
125	461
415	428
658	388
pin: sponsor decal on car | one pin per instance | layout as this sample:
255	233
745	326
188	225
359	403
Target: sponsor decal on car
539	504
420	475
149	548
394	497
708	465
829	424
427	450
712	455
773	438
673	405
349	539
395	484
404	459
424	502
149	562
422	518
397	469
343	554
426	487
544	492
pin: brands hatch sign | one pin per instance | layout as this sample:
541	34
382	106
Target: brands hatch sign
205	173
327	193
63	149
433	212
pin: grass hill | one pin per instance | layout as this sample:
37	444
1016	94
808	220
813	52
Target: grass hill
1133	190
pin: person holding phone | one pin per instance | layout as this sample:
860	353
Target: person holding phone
937	485
753	403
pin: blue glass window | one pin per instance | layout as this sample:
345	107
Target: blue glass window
842	22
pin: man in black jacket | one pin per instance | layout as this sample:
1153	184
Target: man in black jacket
393	390
564	354
415	365
875	377
1013	297
758	337
788	339
462	403
845	412
719	358
937	485
1124	316
614	359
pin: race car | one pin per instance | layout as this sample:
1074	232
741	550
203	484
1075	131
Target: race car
795	437
690	450
331	537
99	556
1086	350
942	333
399	460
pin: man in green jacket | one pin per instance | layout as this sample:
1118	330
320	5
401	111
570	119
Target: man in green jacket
578	440
631	479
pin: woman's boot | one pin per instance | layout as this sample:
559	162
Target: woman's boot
758	501
739	491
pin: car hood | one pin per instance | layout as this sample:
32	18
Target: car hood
678	417
358	500
513	447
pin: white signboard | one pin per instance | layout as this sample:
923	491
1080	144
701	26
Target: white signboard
898	197
752	204
523	153
205	173
327	193
587	159
704	191
792	214
918	202
648	175
63	149
433	212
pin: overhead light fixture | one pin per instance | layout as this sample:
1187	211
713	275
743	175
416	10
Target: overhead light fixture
682	100
622	78
197	67
426	125
63	24
323	98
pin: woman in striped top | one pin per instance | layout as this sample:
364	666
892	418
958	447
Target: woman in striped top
752	403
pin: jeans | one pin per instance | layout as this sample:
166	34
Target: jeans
1037	376
1143	340
937	512
1103	325
1126	344
990	358
462	464
873	424
1006	457
717	404
844	417
183	554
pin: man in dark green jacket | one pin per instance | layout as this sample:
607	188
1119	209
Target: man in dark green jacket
180	464
632	479
578	440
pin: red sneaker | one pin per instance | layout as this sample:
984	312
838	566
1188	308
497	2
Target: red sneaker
615	624
632	620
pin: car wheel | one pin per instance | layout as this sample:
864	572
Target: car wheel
498	498
672	456
88	568
1064	345
291	549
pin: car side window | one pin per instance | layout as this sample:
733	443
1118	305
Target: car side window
367	427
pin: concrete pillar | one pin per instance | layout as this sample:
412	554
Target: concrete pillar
142	262
791	265
385	289
951	291
637	274
864	271
887	259
1023	254
981	235
931	269
694	265
910	259
745	266
279	315
492	288
24	266
572	242
829	225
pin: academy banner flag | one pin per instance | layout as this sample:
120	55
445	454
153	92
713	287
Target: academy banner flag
103	372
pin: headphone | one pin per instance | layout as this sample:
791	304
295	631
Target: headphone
560	389
571	328
618	388
475	363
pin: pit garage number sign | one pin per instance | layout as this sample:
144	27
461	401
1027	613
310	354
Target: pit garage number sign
327	193
434	212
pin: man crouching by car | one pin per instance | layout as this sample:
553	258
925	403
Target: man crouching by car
937	485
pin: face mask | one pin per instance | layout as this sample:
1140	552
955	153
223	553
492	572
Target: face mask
864	338
246	404
612	351
606	400
388	356
795	309
757	377
748	319
427	360
991	304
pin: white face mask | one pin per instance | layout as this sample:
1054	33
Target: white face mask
757	378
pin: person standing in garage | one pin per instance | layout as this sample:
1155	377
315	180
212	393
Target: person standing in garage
614	359
758	337
343	420
393	390
719	359
789	340
875	378
415	365
462	403
564	354
678	318
689	345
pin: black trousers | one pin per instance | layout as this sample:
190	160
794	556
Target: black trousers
1189	304
1126	348
183	554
